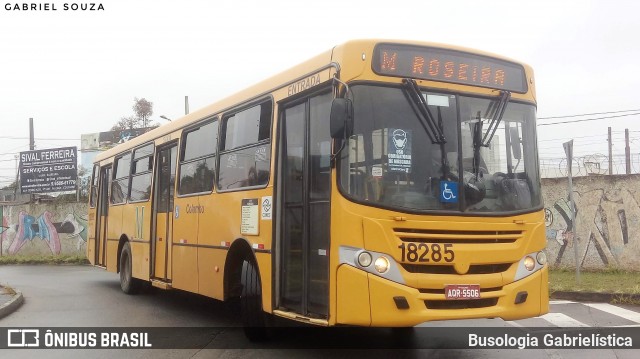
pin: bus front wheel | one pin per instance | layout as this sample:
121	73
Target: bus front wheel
128	284
253	317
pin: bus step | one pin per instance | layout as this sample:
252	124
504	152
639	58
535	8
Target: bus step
300	318
160	284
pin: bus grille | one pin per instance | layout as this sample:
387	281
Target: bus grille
460	304
456	236
448	269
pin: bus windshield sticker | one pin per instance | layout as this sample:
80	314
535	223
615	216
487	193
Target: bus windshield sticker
399	145
267	206
448	192
376	171
261	154
232	161
437	100
249	214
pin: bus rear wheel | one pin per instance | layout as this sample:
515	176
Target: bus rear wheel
253	317
128	284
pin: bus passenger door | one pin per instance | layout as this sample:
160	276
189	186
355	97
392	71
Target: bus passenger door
304	189
101	217
163	195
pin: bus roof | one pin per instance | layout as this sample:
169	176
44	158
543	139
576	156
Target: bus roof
277	81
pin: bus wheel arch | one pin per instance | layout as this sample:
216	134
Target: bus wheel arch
243	287
239	251
123	239
128	283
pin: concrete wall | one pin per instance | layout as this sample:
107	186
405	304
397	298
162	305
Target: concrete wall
44	229
607	225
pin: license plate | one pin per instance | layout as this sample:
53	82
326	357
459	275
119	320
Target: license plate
462	291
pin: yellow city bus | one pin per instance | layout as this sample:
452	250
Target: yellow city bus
381	183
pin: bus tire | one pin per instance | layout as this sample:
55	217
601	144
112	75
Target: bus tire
253	317
128	284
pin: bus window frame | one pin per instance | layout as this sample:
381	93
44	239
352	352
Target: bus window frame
149	171
113	177
222	133
181	148
95	175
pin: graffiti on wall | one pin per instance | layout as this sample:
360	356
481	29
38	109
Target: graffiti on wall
43	227
605	228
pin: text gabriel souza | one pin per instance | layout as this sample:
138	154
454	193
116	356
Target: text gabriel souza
53	7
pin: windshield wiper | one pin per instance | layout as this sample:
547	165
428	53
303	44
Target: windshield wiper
497	111
426	118
433	129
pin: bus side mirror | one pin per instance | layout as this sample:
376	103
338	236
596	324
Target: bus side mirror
341	118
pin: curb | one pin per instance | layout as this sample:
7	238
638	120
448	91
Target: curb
595	297
12	305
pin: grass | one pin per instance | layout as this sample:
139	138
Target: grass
606	281
43	259
624	285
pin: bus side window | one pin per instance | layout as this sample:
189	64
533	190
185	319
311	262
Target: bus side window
245	149
120	183
141	173
198	158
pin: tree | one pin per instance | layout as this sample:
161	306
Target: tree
127	123
142	110
12	186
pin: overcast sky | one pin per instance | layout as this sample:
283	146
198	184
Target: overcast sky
77	72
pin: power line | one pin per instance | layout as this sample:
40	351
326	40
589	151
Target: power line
586	114
587	119
565	138
40	139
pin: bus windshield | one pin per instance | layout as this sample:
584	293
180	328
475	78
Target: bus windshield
393	159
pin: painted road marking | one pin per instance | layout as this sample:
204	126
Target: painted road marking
552	302
612	309
562	320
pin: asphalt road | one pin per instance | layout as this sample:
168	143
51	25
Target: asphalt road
83	296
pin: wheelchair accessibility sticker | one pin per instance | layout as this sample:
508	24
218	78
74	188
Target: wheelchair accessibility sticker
448	192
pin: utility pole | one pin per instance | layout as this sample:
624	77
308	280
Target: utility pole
568	149
610	153
32	144
186	105
627	151
15	190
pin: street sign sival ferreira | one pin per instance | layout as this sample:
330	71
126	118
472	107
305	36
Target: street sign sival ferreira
50	170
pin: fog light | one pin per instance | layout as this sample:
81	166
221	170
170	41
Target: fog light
541	257
382	264
364	259
529	263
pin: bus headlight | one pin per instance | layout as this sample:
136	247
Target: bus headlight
364	259
541	257
375	263
529	263
382	264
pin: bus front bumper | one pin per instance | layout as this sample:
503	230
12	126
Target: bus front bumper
369	300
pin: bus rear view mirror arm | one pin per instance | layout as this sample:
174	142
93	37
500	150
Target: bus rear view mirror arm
341	120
